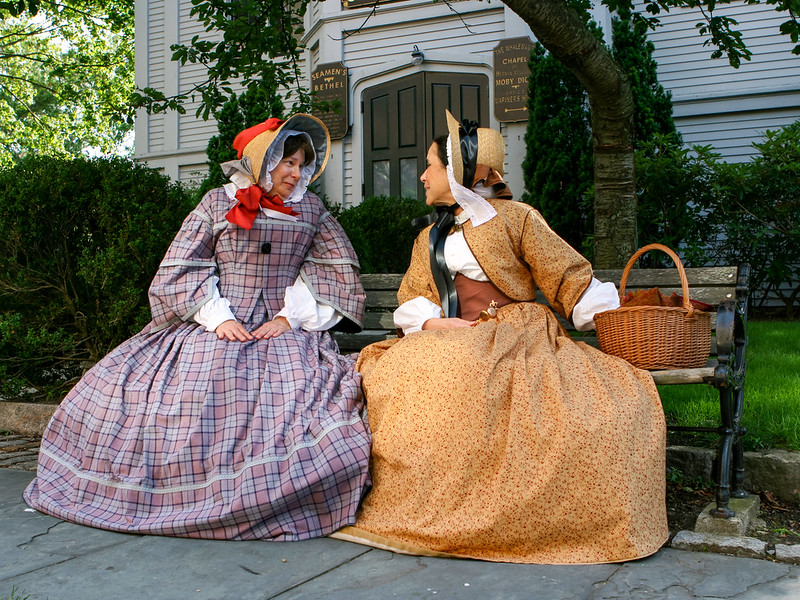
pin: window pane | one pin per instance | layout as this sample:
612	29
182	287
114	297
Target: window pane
408	177
380	178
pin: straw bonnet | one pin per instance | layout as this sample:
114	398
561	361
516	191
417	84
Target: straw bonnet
254	142
464	136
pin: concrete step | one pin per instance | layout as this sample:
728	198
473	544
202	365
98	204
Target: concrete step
745	512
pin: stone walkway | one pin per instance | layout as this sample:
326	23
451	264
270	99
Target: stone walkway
20	452
42	558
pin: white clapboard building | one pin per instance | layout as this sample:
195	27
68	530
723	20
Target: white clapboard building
396	68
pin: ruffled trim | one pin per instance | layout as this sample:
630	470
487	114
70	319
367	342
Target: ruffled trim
240	172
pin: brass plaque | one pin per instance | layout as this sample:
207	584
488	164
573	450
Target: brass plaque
329	84
511	73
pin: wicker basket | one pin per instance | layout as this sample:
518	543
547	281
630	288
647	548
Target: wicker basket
656	337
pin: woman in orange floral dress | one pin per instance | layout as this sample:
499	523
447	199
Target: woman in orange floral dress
495	435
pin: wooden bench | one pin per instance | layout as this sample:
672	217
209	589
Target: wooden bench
723	287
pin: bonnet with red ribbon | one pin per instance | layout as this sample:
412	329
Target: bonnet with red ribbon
259	150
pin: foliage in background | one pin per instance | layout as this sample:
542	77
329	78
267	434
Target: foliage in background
248	41
66	73
756	215
80	241
381	232
559	154
557	169
674	183
729	213
255	105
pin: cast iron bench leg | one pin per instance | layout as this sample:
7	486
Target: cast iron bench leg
738	375
724	456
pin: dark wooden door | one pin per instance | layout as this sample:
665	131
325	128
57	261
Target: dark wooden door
401	118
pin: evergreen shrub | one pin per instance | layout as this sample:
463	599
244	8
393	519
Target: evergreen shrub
756	216
674	183
381	231
718	213
80	241
558	164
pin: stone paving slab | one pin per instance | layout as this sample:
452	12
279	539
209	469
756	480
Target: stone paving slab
160	567
381	574
44	558
677	575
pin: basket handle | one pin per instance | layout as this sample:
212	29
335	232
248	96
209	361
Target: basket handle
684	283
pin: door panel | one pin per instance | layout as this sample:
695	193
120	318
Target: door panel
401	118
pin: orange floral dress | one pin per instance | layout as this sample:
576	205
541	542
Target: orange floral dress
509	441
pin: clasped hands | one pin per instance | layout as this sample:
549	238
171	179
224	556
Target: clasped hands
233	331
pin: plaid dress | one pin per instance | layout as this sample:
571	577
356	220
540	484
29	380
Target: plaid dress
176	432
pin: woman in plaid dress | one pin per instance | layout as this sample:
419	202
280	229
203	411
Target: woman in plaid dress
231	415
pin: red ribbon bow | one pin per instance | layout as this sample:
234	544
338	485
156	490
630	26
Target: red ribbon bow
246	210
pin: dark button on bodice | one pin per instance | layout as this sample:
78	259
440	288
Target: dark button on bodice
266	248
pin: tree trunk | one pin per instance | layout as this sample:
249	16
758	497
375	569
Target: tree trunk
559	29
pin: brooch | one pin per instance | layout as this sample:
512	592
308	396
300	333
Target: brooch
489	313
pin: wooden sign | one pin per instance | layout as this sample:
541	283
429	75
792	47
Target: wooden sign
511	73
329	84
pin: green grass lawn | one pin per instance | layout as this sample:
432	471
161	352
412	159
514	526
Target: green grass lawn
771	397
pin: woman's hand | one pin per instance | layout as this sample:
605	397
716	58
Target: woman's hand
233	331
450	323
271	329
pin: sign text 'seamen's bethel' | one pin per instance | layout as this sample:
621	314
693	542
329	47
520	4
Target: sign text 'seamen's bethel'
329	84
511	73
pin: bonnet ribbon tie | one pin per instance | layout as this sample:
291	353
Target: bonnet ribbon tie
250	198
441	274
468	140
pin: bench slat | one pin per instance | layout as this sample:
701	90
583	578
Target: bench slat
713	295
709	295
697	276
679	376
386	299
354	342
381	281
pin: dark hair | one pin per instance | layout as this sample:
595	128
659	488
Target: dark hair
294	143
441	145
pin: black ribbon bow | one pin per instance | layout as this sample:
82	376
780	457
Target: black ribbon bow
468	141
